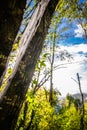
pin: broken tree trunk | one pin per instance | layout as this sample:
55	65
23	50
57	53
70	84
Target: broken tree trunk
15	95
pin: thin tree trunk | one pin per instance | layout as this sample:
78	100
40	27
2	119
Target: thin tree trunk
22	122
82	103
51	70
15	95
30	123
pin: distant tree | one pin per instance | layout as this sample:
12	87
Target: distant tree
70	99
77	104
76	11
82	103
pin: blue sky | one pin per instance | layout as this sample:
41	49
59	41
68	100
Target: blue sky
77	47
74	41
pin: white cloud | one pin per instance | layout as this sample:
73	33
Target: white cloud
76	48
63	76
79	32
64	82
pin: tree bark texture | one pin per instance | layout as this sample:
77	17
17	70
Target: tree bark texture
11	14
15	95
23	44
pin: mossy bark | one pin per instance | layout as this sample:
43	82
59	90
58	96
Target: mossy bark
11	13
15	95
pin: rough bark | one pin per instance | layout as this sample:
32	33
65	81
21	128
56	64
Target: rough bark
23	44
11	14
15	95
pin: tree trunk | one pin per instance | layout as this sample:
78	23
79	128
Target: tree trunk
31	120
11	15
82	104
15	95
23	44
51	68
51	75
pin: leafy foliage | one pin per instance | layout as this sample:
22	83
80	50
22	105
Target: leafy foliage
45	116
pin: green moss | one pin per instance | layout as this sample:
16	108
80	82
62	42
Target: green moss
15	46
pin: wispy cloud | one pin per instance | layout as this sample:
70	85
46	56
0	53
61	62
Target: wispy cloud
63	76
75	48
79	32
